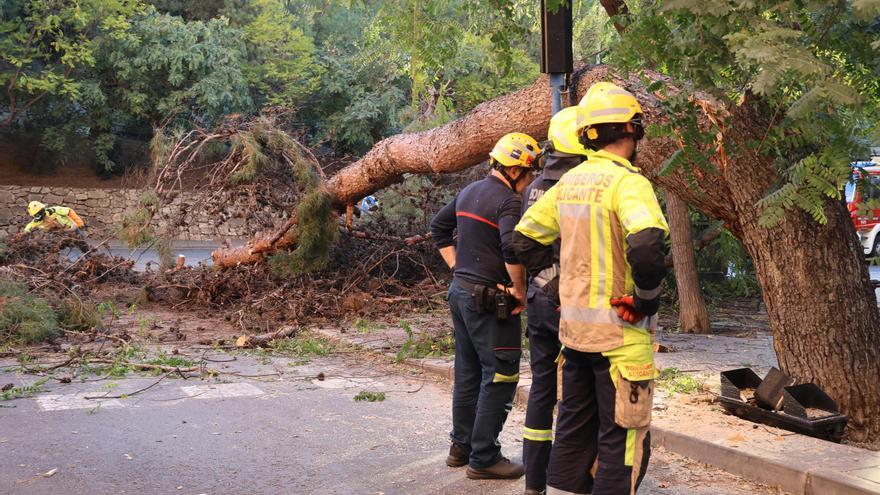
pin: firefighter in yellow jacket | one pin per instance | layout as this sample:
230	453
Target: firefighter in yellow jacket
612	262
52	217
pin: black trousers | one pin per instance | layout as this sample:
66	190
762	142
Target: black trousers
586	428
487	353
543	333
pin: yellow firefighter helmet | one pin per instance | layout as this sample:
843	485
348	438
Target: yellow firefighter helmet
563	132
516	150
34	207
605	103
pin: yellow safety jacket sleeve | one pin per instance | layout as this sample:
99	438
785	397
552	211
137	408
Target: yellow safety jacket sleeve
637	206
541	221
33	224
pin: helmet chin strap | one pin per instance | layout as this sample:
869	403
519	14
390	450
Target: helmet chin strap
511	181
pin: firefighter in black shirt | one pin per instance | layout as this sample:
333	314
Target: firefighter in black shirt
486	296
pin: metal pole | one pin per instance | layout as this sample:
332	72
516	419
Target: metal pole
557	87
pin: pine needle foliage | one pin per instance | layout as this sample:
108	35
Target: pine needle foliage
262	161
25	318
812	63
316	233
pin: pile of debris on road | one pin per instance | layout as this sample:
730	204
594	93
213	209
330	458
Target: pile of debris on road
316	270
64	261
363	278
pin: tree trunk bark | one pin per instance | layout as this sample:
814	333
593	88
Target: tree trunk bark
449	148
693	316
814	280
822	309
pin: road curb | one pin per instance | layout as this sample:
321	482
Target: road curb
792	476
732	460
795	477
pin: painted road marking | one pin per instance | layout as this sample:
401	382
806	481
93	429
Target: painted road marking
78	400
75	401
339	383
221	391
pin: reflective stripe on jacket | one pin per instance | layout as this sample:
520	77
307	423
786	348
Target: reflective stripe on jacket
593	208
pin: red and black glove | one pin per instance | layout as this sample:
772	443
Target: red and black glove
626	309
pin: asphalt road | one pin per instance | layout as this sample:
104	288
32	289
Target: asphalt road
274	434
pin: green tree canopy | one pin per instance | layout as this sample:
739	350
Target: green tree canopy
814	64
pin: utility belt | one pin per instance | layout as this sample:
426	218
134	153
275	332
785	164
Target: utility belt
489	300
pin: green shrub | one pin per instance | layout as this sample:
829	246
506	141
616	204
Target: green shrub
676	381
25	318
78	315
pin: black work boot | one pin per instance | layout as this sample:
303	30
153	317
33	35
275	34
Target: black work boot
501	470
532	491
459	455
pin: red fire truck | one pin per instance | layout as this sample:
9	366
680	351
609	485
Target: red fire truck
866	221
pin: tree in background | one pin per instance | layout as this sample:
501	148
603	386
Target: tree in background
166	68
281	67
79	74
693	316
46	45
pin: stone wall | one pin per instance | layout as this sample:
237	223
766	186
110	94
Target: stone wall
103	210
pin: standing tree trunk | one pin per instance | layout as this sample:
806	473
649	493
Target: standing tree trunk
692	313
814	281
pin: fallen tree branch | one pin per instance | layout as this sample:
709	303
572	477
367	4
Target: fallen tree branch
255	249
246	341
409	241
706	237
147	366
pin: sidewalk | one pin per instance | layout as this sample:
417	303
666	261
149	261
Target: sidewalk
692	425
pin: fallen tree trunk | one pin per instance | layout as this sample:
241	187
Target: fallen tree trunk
449	148
256	249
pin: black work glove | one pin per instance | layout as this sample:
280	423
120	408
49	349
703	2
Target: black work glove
647	307
548	281
551	290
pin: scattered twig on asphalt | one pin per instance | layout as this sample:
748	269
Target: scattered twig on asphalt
173	369
122	396
211	360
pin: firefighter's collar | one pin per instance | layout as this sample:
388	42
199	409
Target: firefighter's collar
605	155
558	163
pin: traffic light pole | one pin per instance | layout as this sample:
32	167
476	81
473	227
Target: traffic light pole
556	52
557	87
